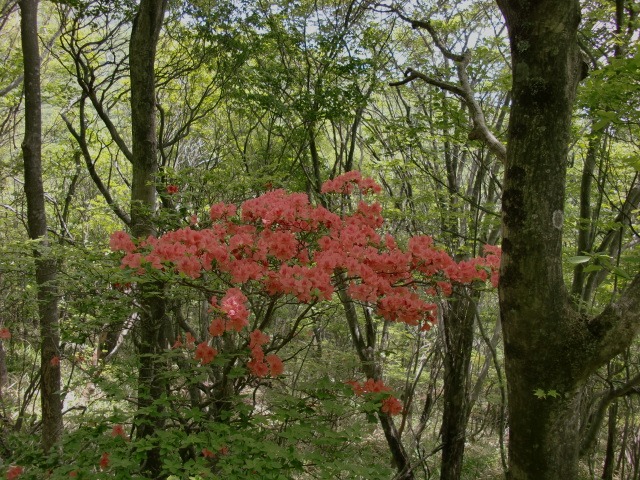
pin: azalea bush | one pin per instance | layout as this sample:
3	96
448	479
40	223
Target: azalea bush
280	247
266	269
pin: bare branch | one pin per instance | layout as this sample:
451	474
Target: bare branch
480	131
84	148
85	75
411	74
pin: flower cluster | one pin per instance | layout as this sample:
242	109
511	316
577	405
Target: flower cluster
346	183
104	461
205	353
260	364
5	333
14	472
370	386
118	431
279	244
206	453
390	404
190	339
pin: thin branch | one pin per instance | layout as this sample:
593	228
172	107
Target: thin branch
84	148
16	81
86	77
611	239
426	25
593	428
410	75
480	131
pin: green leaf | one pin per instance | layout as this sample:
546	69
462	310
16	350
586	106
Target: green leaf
621	273
633	162
601	124
579	259
592	268
541	394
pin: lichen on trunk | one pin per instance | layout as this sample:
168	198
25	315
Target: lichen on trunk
550	348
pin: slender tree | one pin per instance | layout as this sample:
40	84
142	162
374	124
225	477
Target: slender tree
460	178
37	224
142	53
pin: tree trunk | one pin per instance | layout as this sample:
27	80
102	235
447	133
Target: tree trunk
37	222
543	443
4	378
142	51
550	350
458	320
612	435
365	348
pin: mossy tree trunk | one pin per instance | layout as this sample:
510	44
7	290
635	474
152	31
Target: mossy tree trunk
550	348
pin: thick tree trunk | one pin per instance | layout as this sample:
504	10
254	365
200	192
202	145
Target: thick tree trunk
537	320
142	51
550	350
37	222
142	54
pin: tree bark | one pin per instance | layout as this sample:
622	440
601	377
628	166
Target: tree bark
612	435
550	349
37	223
458	321
142	52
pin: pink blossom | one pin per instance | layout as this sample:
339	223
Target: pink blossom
104	461
276	367
14	472
118	431
391	406
217	327
206	453
346	182
257	339
279	244
121	241
233	305
205	353
221	210
258	368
